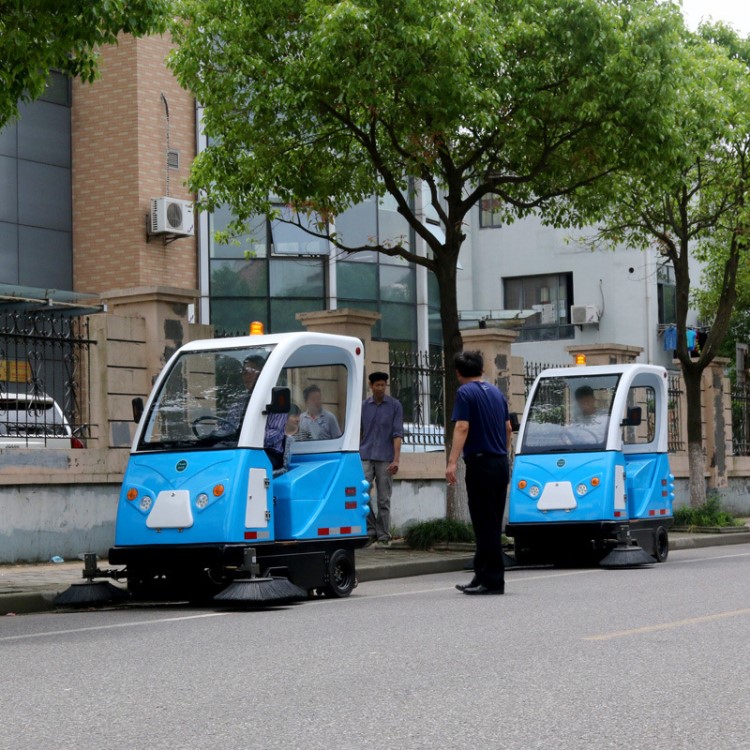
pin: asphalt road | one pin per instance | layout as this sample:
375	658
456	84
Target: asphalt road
566	660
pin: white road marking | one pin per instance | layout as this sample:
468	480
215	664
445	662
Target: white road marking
111	626
666	625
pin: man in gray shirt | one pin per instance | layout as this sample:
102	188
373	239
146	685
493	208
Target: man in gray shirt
380	451
315	422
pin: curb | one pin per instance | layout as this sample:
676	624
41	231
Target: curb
42	601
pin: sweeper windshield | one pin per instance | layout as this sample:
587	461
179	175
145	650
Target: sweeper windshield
570	414
202	401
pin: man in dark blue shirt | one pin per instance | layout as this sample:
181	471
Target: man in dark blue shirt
482	431
380	450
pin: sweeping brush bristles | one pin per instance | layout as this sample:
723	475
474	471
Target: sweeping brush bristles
259	592
627	557
87	593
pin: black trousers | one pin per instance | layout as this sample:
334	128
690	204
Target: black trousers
487	487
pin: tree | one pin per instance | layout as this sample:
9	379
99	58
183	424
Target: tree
697	207
37	36
323	103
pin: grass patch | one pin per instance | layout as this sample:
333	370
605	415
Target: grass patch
427	534
709	514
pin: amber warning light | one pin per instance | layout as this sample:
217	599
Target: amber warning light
580	360
256	328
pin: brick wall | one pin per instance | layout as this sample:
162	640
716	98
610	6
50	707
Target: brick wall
119	143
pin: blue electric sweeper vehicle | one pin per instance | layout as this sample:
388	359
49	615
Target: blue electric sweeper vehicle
244	480
591	479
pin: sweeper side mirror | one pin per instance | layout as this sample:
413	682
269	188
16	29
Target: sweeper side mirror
137	404
633	417
515	425
281	400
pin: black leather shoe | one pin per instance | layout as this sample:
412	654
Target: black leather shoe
481	589
464	586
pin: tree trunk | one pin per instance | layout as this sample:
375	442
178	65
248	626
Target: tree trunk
696	458
452	344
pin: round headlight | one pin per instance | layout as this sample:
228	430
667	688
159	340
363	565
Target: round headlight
534	491
145	502
582	489
202	500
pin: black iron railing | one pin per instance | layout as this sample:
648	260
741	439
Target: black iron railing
674	414
741	419
44	372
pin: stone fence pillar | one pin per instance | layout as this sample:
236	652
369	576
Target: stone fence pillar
606	354
499	366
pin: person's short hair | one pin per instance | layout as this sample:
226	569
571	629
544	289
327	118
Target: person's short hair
254	359
469	364
584	391
294	410
377	376
310	389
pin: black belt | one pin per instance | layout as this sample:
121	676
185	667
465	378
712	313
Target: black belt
486	455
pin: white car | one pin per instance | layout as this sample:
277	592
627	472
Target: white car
423	438
33	421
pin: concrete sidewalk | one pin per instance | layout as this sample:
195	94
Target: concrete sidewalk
31	588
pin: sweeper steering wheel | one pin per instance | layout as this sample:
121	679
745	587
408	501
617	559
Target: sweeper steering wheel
214	420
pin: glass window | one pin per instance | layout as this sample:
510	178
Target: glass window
297	278
203	399
666	291
45	258
233	316
361	304
639	420
397	284
399	322
44	198
253	243
58	89
284	311
357	226
570	414
239	278
44	133
289	239
8	253
8	189
320	394
8	139
549	296
393	229
490	214
357	280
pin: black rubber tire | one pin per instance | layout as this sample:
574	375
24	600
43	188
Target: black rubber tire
342	577
661	544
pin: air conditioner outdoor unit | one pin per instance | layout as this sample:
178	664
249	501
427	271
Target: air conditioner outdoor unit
584	315
171	216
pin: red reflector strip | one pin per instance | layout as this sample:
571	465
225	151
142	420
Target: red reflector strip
251	535
664	493
663	482
257	535
350	491
618	513
652	512
350	504
341	530
663	511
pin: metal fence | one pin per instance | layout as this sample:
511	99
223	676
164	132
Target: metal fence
418	382
44	372
531	371
741	419
675	441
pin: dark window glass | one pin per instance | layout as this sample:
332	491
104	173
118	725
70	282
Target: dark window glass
397	284
44	133
8	136
548	297
58	89
357	226
44	198
235	315
8	253
283	312
489	212
393	229
252	244
357	280
8	189
297	278
362	305
666	295
290	239
399	322
45	258
239	278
